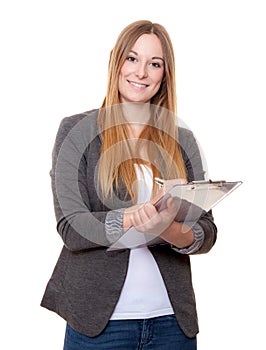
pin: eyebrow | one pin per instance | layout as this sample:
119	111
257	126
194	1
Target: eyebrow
153	58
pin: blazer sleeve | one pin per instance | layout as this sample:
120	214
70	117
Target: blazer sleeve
80	222
193	163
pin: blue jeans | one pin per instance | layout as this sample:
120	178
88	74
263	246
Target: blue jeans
159	333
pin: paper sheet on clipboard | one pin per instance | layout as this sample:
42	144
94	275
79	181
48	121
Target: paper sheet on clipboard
193	200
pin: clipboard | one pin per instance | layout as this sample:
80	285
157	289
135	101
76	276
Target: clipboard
193	200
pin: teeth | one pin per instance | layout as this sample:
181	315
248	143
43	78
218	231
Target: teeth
138	85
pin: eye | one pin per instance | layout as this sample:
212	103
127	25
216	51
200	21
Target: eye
156	64
131	59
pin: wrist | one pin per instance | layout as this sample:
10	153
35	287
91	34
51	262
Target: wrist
126	220
178	234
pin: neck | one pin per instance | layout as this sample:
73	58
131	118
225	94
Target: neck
137	116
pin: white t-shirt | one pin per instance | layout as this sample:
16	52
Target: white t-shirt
144	294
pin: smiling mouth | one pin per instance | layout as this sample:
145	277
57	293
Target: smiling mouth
137	85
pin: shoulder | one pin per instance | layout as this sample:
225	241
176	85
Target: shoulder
184	132
77	131
88	118
192	154
189	144
186	138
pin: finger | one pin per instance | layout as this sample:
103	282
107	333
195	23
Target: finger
147	212
171	207
149	209
182	181
140	216
171	203
136	219
144	215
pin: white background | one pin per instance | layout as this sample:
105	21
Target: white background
54	57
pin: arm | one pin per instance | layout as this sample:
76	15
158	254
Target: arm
146	218
79	212
205	230
186	238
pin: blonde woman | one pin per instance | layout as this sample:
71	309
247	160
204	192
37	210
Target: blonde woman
104	165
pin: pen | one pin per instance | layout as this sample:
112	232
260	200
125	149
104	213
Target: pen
159	181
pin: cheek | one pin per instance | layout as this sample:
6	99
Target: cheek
160	77
124	70
157	81
120	84
157	77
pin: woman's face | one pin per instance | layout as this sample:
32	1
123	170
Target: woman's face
143	70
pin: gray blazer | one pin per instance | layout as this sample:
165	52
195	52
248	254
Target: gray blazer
87	280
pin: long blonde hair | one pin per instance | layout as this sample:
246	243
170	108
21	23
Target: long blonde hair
117	161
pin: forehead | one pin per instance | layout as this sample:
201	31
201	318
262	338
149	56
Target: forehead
148	45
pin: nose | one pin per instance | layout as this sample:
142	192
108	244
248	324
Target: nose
141	70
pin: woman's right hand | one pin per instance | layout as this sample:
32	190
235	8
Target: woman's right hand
127	220
145	217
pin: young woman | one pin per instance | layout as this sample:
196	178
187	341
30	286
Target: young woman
104	165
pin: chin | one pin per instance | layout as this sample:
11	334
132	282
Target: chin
135	100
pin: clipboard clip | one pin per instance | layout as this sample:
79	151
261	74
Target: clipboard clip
217	183
161	182
207	182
